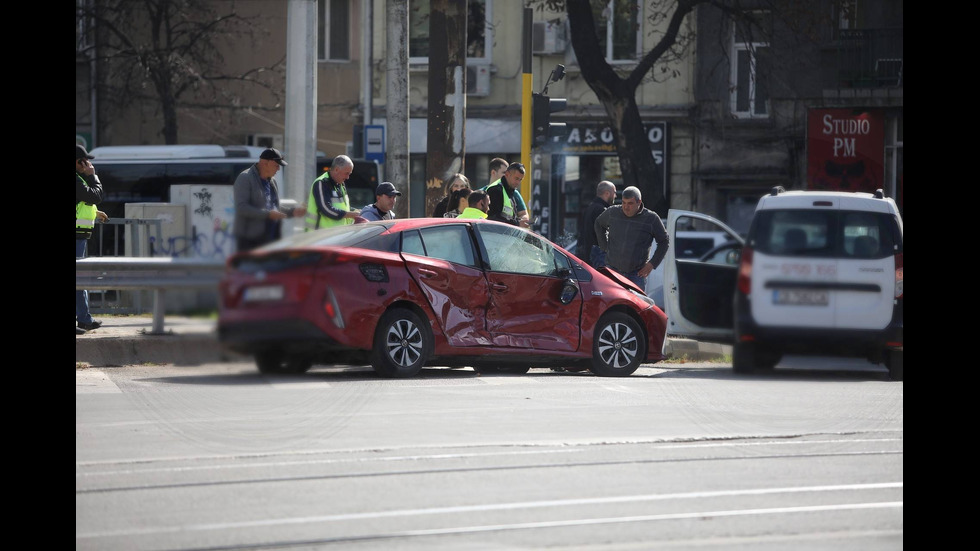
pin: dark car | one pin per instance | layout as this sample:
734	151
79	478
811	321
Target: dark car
404	294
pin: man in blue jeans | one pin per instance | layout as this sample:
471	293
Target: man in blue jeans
626	233
88	194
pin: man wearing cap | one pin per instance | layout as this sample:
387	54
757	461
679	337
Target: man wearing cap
384	203
88	194
258	214
328	204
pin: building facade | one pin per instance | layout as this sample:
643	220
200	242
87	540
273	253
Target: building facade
749	108
821	109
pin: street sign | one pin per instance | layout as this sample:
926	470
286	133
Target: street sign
374	143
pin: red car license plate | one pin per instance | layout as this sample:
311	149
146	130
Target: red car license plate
263	293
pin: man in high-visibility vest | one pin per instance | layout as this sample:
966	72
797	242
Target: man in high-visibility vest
328	204
503	200
88	194
498	166
479	205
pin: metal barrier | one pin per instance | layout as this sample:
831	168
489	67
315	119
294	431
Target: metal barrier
138	242
122	237
156	274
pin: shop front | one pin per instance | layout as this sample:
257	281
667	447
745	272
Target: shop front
566	172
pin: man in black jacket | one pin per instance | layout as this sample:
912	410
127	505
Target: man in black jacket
605	194
504	204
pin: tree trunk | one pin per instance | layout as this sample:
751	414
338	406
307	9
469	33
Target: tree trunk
445	148
618	97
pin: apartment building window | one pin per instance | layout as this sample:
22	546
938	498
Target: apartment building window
846	13
333	33
618	27
750	67
478	36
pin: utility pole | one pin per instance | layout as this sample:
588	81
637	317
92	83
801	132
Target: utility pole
300	147
445	131
396	109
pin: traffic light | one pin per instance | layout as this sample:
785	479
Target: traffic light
542	129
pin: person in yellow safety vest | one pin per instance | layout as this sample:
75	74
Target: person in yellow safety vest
328	204
498	166
503	202
88	194
479	205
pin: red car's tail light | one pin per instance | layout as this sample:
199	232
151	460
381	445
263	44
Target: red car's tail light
899	275
744	284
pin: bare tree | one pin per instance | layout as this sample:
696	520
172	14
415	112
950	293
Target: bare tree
169	52
616	87
617	92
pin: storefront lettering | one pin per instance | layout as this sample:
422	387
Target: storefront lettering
843	146
586	139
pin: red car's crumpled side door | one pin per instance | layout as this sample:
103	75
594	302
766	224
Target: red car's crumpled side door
458	296
525	312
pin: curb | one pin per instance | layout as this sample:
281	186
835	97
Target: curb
150	349
125	341
695	351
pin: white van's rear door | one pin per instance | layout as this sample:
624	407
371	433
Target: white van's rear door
699	292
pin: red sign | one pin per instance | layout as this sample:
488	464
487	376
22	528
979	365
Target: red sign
845	150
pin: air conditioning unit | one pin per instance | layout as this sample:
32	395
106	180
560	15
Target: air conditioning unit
265	140
548	37
478	80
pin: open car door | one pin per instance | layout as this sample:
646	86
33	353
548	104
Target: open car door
699	291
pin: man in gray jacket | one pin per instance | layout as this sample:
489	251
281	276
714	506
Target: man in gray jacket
626	233
258	216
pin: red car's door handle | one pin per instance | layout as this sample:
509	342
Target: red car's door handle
499	287
426	273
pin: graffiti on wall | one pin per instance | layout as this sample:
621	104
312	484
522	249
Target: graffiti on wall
211	210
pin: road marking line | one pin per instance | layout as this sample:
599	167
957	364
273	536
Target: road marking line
94	381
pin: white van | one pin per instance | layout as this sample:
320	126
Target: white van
819	273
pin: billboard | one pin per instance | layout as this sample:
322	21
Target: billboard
845	150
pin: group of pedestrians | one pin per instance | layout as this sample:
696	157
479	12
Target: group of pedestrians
498	200
618	236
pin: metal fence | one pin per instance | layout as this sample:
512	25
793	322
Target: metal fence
871	58
123	237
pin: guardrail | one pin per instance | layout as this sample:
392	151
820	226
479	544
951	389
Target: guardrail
156	274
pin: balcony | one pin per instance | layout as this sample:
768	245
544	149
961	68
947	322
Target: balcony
869	58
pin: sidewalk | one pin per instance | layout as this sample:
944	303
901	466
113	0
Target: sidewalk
128	340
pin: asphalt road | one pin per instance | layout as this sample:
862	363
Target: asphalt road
678	456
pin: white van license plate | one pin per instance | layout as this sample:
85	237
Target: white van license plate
263	293
800	297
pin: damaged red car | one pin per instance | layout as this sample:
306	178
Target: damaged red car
401	295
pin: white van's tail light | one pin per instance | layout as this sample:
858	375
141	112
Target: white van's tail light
899	275
744	283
